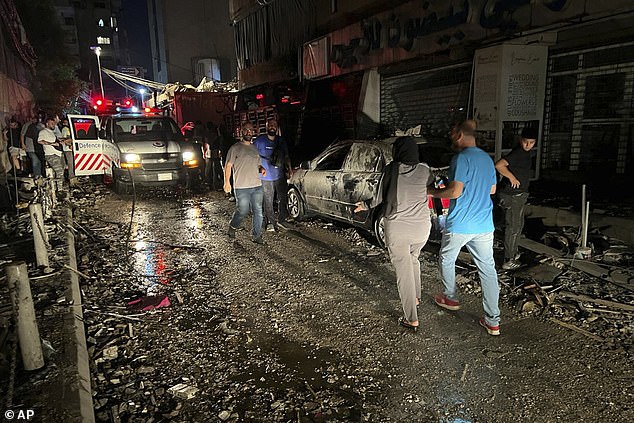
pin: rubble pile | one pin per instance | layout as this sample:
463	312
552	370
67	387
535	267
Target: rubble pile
39	389
592	296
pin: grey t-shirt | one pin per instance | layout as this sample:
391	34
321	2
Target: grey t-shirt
245	161
411	221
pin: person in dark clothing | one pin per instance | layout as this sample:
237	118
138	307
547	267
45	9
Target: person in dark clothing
515	169
213	166
273	151
225	140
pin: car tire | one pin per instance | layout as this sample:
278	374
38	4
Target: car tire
192	182
296	208
120	187
379	228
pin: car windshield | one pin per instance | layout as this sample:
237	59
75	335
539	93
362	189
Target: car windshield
145	129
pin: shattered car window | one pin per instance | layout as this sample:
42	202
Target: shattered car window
364	158
333	160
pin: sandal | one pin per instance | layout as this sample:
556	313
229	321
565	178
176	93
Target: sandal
407	325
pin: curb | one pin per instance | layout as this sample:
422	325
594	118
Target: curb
79	389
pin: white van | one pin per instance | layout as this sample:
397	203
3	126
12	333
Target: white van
147	150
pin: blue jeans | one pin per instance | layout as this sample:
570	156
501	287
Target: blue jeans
481	248
271	188
248	199
36	163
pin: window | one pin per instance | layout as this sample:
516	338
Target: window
69	20
100	5
334	159
563	103
604	96
363	158
100	23
103	40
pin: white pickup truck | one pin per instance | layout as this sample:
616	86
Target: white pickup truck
139	149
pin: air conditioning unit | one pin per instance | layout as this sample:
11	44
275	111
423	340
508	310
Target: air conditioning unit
209	68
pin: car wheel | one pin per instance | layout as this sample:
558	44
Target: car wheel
295	204
379	229
120	187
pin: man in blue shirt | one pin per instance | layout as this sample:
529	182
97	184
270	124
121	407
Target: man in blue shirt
274	155
472	181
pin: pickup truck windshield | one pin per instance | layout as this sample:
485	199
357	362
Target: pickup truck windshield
144	129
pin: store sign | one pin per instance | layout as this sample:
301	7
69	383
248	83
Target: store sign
417	28
399	29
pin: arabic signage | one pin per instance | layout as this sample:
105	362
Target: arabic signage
419	28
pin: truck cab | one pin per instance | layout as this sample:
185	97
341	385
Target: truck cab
142	149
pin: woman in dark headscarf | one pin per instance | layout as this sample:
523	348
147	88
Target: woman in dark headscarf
407	221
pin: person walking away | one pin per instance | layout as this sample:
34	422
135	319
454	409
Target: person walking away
52	151
244	162
275	159
472	181
67	149
403	193
28	139
515	171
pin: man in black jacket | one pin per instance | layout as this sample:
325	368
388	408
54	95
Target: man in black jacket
515	169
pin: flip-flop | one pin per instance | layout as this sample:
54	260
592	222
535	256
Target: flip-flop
404	323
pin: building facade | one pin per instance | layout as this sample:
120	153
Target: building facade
191	39
17	63
89	24
375	67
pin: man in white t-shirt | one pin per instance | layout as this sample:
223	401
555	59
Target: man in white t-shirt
67	148
53	156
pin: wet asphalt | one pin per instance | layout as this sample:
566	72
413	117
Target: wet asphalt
304	328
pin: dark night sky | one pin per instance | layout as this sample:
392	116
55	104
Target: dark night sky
134	20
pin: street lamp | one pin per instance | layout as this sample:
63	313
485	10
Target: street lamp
142	92
97	51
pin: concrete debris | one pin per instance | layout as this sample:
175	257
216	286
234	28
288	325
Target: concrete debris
183	391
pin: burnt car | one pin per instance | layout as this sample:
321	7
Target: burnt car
350	171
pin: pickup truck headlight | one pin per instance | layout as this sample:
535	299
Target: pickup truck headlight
189	159
131	161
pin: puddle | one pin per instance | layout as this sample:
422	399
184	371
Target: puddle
149	261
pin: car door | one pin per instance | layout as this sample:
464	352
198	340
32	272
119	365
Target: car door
322	181
360	180
90	153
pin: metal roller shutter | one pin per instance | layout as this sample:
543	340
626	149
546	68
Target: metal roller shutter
433	98
589	116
